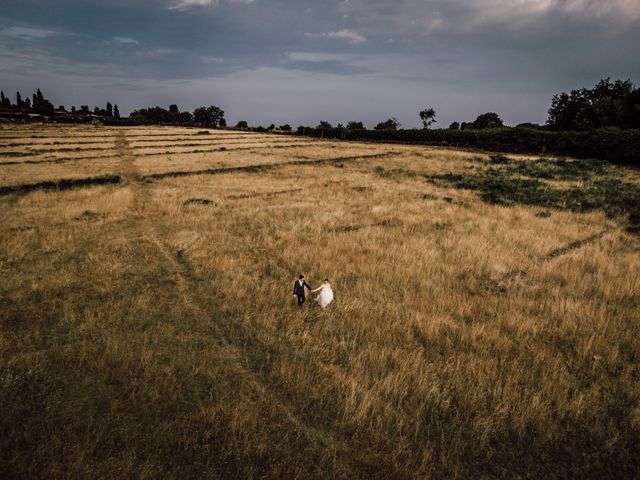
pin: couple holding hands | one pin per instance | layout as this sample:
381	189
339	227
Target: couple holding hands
325	297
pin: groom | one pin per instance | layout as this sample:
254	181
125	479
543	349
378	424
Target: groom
298	289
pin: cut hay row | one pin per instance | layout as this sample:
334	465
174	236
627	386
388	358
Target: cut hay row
263	167
62	184
112	133
103	139
55	160
65	184
154	154
37	152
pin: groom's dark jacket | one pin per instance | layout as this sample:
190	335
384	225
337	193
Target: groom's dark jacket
298	289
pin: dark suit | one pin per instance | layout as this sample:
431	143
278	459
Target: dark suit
298	290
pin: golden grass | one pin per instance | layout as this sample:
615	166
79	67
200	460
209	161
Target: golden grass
145	337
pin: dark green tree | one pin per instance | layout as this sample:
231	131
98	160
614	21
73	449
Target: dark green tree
428	117
454	126
389	124
355	126
242	125
6	103
116	111
44	107
567	109
608	104
209	116
109	109
19	102
486	120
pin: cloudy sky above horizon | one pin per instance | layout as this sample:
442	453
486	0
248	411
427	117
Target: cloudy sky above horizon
302	61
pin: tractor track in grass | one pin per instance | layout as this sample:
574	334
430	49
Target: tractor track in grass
498	285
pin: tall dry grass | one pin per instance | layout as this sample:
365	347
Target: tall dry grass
146	336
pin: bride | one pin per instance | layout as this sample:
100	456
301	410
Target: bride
326	294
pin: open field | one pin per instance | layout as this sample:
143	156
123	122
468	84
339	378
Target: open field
486	321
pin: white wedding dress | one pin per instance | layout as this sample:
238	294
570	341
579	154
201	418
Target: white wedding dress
325	297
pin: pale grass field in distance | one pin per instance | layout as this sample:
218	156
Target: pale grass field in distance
148	327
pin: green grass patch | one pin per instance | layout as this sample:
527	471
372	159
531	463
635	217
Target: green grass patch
526	182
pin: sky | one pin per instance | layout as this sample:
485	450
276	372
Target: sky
303	61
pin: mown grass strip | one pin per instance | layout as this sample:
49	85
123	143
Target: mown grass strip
62	184
265	194
30	153
142	154
557	252
165	142
104	139
56	160
111	135
355	228
262	168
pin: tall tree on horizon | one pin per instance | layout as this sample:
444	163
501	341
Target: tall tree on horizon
5	100
19	102
428	117
116	111
109	109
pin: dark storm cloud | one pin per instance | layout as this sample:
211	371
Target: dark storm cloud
343	59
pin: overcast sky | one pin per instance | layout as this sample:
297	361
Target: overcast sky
302	61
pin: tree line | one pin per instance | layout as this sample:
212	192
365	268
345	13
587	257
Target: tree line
602	122
40	105
608	104
211	116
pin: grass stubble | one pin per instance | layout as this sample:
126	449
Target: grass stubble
148	329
